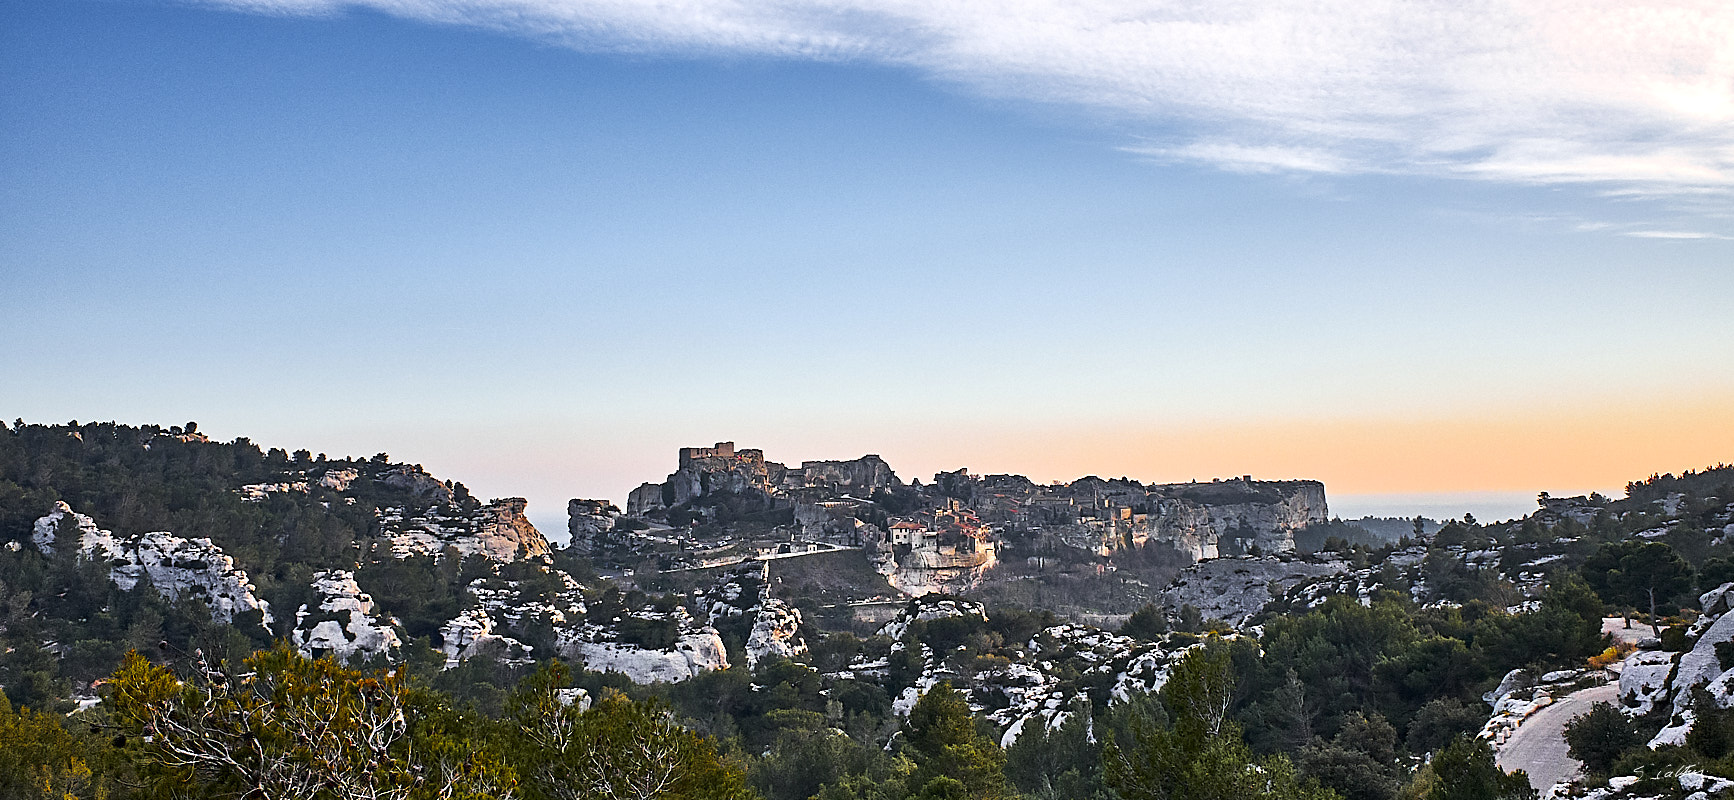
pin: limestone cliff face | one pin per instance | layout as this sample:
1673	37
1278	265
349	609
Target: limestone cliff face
948	570
719	469
417	481
498	531
1190	528
587	519
505	532
691	483
645	499
860	477
704	471
1236	589
1212	519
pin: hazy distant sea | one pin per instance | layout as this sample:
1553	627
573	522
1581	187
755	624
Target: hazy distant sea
1486	506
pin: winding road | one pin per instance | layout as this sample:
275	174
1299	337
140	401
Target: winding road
1538	745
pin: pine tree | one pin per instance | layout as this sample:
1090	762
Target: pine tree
949	754
1599	737
1465	770
1202	756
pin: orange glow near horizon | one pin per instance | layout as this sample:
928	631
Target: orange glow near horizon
1562	451
1579	450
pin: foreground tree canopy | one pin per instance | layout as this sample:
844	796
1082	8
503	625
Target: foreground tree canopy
287	726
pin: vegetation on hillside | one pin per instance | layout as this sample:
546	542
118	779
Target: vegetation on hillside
1372	700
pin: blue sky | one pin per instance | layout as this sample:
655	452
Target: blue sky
537	245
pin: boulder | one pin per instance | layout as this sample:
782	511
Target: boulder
1513	681
1644	680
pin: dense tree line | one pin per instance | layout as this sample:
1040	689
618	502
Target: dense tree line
277	724
1372	700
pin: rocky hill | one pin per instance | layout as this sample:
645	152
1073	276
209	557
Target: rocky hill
725	503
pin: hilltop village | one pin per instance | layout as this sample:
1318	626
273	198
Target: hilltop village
723	504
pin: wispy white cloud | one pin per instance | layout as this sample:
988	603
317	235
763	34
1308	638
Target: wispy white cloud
1676	235
1238	157
1635	95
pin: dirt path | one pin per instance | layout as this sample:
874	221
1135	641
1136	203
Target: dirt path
1617	627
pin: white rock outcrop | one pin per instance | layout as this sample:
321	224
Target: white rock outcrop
776	632
1623	787
46	532
257	492
1362	584
692	654
498	531
1650	679
181	568
338	480
472	633
177	568
501	605
343	624
1236	589
694	647
1041	682
930	607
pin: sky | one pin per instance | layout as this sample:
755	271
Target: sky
1439	256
